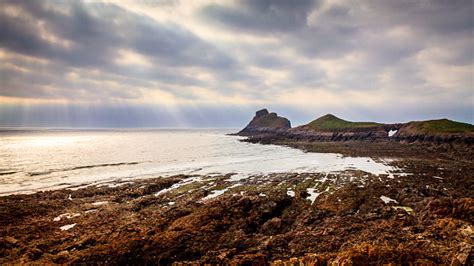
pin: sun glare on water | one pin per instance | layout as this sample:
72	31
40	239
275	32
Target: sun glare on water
51	141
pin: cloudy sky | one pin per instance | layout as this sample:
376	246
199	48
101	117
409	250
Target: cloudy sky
213	63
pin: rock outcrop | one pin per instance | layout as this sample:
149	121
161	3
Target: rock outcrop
265	123
332	128
267	127
438	131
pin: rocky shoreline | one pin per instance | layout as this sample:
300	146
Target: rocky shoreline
421	214
271	135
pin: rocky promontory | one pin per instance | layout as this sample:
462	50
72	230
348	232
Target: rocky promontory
268	128
264	123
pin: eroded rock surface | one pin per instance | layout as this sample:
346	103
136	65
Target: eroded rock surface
255	221
264	123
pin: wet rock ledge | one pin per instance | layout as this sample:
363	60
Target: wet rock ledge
422	216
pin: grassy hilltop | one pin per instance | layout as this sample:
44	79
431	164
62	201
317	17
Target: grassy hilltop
330	122
439	126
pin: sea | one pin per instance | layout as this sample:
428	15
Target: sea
44	159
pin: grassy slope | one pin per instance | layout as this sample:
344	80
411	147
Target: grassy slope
331	122
439	126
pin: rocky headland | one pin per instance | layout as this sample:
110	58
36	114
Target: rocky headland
329	128
265	123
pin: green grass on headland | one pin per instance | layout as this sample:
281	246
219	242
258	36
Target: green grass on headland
439	126
330	122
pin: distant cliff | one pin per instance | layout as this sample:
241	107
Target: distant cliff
264	122
266	127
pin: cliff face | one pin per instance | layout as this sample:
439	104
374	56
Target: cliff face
264	123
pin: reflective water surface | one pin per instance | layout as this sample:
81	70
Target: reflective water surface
47	159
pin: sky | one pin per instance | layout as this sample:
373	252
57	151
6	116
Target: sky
209	63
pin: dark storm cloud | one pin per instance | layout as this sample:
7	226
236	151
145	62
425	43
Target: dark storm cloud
262	16
290	25
17	35
90	39
97	30
341	28
436	16
289	20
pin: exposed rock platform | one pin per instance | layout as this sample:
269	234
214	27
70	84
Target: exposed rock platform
419	215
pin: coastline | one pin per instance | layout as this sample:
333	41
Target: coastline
316	218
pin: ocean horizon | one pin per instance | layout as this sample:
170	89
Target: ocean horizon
34	160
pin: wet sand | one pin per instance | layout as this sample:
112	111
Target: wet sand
421	214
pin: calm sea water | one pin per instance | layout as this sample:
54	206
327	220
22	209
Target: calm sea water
32	160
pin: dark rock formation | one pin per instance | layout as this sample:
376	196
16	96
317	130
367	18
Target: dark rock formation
267	128
265	123
437	131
